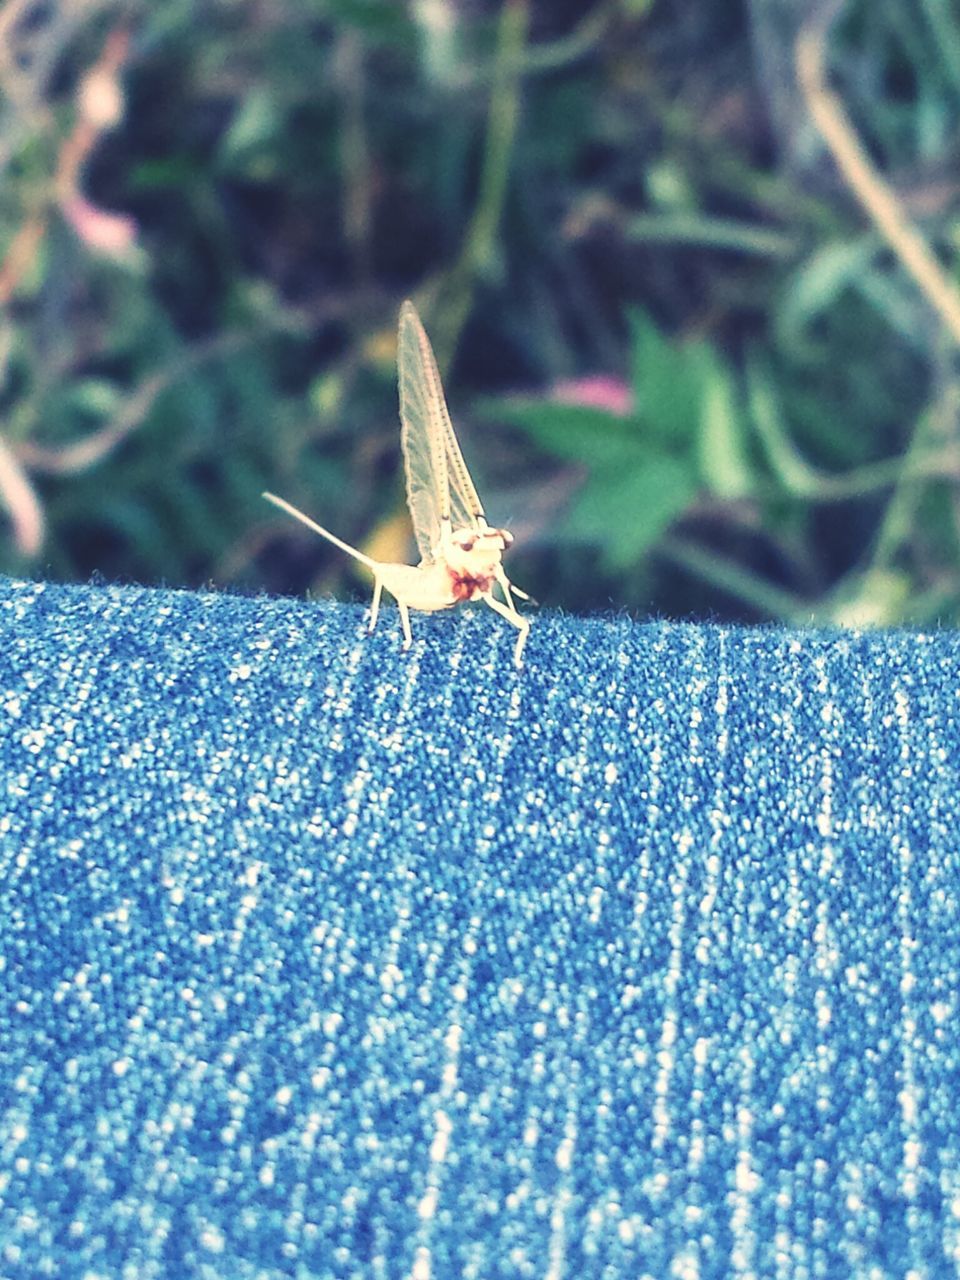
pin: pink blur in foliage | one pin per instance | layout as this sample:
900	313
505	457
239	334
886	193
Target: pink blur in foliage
114	234
597	391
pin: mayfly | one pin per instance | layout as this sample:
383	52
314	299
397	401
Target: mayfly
460	554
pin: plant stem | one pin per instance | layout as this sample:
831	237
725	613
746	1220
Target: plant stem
481	235
711	233
876	197
739	582
801	480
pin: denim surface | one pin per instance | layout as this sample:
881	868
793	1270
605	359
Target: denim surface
318	959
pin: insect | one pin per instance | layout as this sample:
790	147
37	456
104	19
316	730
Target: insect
460	554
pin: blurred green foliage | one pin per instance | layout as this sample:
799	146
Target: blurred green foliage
685	367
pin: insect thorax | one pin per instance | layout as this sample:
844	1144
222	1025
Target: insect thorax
469	586
472	558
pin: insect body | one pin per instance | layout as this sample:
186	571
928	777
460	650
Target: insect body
460	554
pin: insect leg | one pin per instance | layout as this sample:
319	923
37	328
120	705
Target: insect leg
516	619
505	585
510	589
405	623
375	605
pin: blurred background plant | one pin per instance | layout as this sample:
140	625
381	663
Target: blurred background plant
691	274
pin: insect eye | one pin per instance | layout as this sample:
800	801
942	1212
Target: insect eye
468	544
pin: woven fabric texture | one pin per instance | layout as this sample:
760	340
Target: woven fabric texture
318	959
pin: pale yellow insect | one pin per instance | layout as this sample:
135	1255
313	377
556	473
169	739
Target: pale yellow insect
460	554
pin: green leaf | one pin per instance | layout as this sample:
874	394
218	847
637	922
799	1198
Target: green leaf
440	53
787	463
724	465
627	509
256	123
878	598
181	172
576	432
669	186
93	397
819	283
381	19
326	395
668	381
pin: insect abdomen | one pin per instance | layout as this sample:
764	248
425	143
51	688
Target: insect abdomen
425	587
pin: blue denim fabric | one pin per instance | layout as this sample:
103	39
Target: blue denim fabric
318	959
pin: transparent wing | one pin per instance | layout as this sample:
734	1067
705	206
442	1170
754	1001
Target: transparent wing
466	509
438	483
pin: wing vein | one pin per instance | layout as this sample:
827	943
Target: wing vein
439	487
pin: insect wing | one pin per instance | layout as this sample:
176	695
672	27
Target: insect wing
438	483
